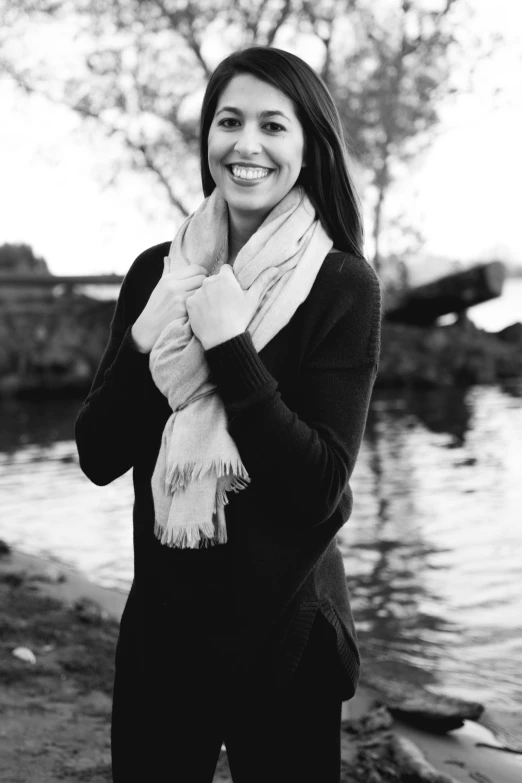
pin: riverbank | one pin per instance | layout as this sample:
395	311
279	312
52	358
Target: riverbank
55	350
458	354
56	705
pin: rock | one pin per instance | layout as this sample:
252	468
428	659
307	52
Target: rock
24	654
444	356
14	578
374	762
5	549
89	611
376	719
423	709
511	334
413	764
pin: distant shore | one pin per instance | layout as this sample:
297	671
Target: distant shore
58	356
56	714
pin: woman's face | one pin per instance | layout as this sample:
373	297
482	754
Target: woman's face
255	146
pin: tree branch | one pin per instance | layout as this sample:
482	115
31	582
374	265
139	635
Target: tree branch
151	165
283	15
22	82
185	19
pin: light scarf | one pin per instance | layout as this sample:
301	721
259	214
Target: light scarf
198	461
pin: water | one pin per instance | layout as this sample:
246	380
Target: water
498	313
433	550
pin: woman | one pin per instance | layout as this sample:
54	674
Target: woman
236	384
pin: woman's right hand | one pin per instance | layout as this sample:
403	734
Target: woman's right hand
166	303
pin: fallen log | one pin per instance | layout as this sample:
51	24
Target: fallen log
454	293
421	708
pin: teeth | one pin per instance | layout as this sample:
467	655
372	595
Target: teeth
248	173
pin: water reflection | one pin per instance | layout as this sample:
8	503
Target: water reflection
433	550
48	506
41	422
392	596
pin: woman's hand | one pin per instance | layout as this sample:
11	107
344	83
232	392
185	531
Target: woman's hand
220	309
166	303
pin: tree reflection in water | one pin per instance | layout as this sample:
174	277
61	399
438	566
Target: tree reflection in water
399	615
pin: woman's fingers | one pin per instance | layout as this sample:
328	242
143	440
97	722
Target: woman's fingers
191	283
189	271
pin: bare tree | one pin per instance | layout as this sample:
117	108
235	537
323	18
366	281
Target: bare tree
393	82
141	70
140	67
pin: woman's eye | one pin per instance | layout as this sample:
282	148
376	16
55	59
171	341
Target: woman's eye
275	125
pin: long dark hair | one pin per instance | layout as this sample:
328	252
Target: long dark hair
326	177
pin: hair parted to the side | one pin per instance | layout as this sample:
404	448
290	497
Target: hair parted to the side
326	178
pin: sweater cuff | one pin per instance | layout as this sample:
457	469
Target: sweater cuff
237	370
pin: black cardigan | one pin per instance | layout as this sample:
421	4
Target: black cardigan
296	411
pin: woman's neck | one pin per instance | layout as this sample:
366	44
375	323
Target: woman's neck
240	229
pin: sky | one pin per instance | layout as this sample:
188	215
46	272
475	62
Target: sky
464	194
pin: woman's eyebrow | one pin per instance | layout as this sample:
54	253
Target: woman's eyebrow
270	112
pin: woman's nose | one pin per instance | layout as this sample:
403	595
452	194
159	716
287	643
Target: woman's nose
248	143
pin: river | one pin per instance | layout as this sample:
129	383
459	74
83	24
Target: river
433	550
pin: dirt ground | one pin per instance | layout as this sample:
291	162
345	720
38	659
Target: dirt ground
49	708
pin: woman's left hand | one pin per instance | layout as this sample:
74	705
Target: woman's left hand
220	309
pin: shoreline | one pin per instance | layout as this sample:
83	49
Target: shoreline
33	578
73	587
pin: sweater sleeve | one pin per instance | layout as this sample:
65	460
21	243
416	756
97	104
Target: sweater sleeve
105	429
304	457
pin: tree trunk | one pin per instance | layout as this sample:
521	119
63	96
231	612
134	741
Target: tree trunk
377	228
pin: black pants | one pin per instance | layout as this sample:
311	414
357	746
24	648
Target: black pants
173	733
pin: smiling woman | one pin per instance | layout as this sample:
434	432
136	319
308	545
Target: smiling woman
253	160
304	147
239	395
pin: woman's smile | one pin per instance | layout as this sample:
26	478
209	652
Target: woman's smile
248	175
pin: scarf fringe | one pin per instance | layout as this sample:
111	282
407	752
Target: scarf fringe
178	477
202	534
191	537
221	491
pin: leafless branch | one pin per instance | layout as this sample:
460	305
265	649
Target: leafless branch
281	18
184	21
152	166
110	130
